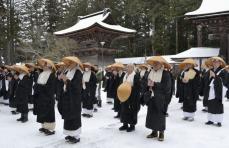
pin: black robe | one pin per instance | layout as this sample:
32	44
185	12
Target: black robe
33	80
22	95
109	85
143	86
170	94
180	88
45	101
227	85
156	112
12	90
205	87
215	106
118	80
191	93
59	86
70	102
3	91
88	96
130	108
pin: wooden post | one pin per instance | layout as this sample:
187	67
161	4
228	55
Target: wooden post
199	35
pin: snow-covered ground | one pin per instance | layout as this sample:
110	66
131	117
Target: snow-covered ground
101	131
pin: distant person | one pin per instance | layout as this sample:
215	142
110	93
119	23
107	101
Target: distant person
217	80
70	102
44	91
130	108
190	83
22	93
159	87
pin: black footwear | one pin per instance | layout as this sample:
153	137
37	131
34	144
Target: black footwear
73	140
204	110
99	103
166	115
88	116
154	134
48	132
117	116
67	138
25	118
14	112
185	118
109	102
190	119
131	128
124	127
20	119
209	123
219	124
42	130
95	110
161	136
84	115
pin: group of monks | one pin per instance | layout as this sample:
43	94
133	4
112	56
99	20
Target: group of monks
76	87
153	84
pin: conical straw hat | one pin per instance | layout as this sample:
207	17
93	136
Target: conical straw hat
118	65
124	91
72	59
187	61
59	64
223	63
88	64
159	59
143	66
11	68
21	69
41	62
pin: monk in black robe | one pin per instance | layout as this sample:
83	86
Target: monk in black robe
12	90
205	85
109	87
159	87
215	100
33	76
143	81
190	82
180	88
170	94
22	93
71	100
119	74
44	98
130	108
89	90
61	69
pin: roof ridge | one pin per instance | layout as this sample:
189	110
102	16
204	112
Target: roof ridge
104	12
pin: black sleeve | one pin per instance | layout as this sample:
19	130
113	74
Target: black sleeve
165	84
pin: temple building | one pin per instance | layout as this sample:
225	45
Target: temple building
212	22
95	34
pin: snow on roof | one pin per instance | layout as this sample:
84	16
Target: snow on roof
131	60
87	21
211	7
198	52
141	60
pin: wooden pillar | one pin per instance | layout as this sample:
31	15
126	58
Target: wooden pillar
199	35
224	44
227	51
